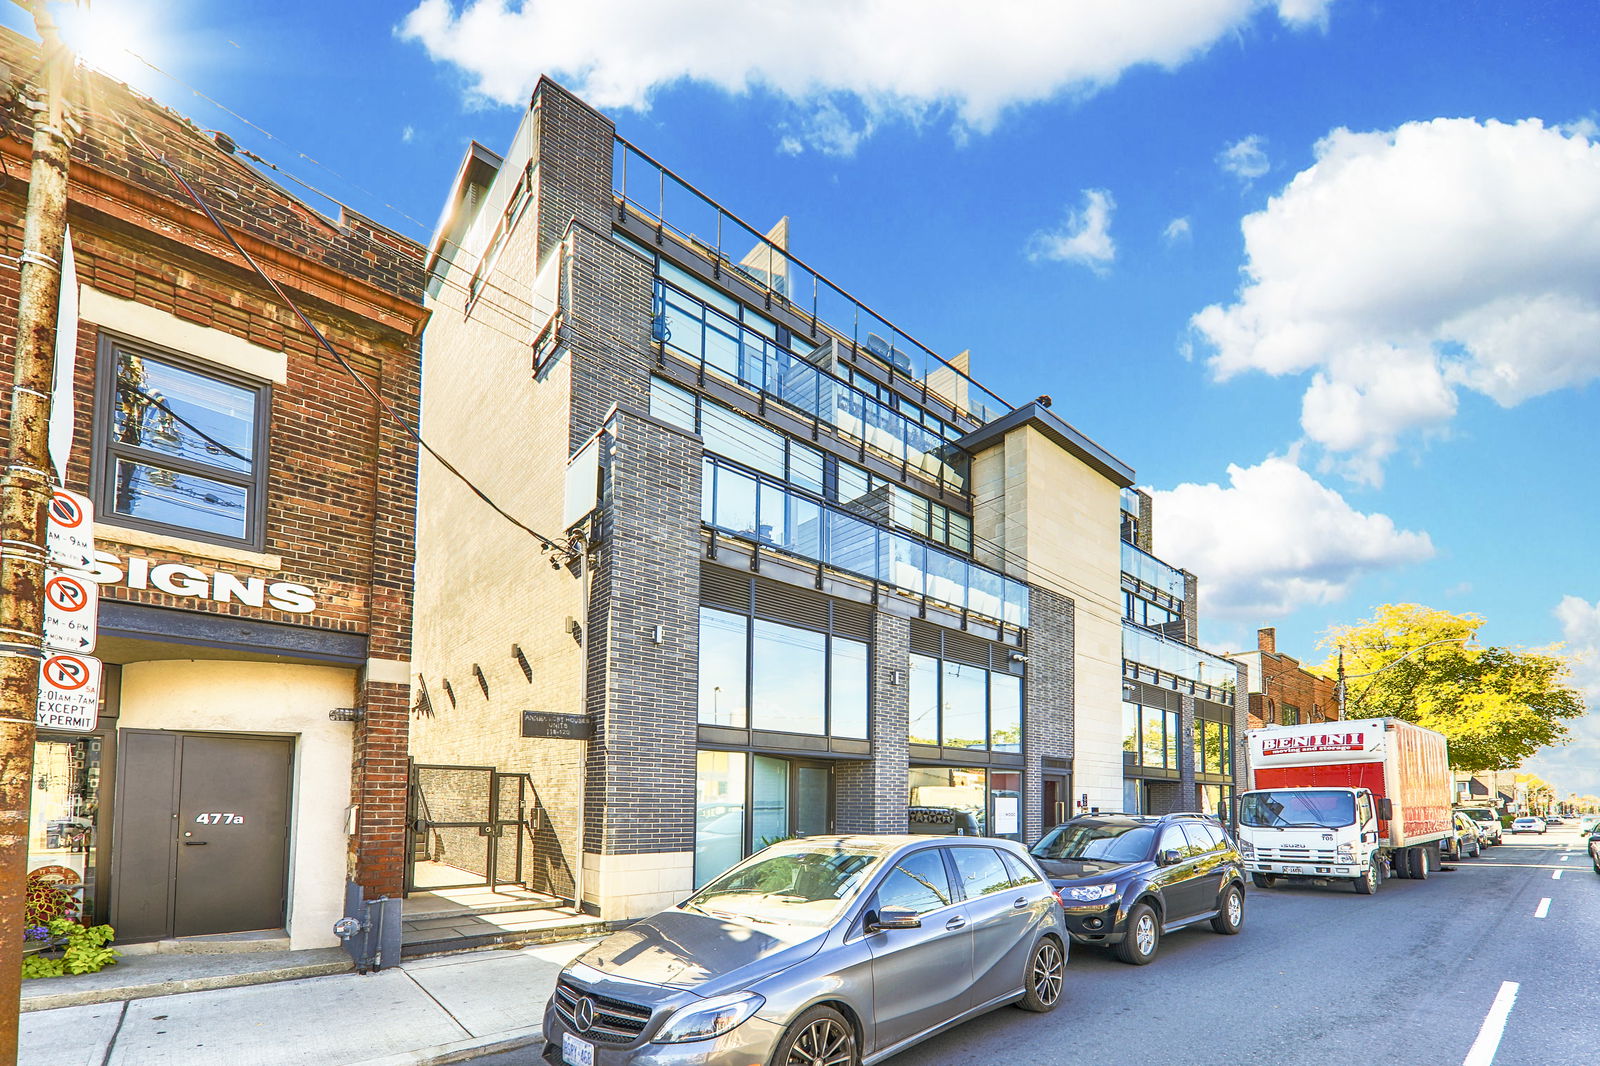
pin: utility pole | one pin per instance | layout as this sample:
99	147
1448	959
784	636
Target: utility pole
25	486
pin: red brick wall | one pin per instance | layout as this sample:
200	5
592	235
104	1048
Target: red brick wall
341	482
1284	680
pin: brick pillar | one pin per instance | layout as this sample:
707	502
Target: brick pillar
1147	519
639	822
871	796
380	787
1191	609
1188	796
1047	697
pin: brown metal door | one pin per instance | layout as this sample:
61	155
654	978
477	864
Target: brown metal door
232	834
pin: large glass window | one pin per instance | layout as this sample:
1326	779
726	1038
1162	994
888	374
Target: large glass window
924	699
786	682
847	687
179	447
949	800
963	721
797	680
724	645
958	705
719	812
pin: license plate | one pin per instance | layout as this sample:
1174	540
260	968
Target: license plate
576	1052
1294	869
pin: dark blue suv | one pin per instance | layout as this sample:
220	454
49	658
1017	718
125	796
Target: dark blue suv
1126	880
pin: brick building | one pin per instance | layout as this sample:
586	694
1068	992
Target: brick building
1282	692
254	534
809	576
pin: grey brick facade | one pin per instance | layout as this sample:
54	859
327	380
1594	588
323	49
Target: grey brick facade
870	796
1048	690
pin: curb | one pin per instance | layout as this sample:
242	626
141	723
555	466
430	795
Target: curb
56	1000
462	1050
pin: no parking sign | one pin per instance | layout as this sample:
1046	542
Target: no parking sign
69	692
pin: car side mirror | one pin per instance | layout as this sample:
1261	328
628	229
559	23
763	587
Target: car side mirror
1386	808
896	918
1168	857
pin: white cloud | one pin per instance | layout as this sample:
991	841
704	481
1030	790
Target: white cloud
407	134
1177	230
1245	159
895	56
1576	767
1084	238
1274	539
1406	266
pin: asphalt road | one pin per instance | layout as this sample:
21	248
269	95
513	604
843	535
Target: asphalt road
1322	976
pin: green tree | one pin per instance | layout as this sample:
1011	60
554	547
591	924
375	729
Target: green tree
1497	706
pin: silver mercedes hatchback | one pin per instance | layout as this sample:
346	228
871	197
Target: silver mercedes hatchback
822	951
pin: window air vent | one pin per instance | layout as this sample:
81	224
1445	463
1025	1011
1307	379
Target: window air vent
852	620
720	587
924	638
964	649
787	603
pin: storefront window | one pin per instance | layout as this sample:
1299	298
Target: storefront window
1132	795
847	687
719	813
960	793
64	817
1130	727
1155	741
786	684
976	708
723	641
1005	803
1173	733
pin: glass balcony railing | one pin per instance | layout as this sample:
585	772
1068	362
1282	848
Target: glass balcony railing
753	508
1179	660
738	351
1146	568
644	186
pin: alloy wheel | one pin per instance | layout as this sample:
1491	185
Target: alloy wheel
822	1043
1235	908
1047	972
1144	934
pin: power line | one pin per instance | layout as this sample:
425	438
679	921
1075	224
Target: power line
546	543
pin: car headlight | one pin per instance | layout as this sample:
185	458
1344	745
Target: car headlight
1247	850
1347	853
1090	893
715	1016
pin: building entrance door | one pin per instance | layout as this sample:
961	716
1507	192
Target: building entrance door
1056	800
202	840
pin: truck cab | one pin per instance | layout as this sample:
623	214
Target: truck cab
1308	832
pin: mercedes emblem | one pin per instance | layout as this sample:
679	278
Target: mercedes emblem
583	1014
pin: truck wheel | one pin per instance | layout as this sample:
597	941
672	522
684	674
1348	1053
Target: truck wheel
1230	916
1263	880
1421	861
1367	883
1477	849
1400	862
1138	945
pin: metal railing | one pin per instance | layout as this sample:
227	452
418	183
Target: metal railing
649	188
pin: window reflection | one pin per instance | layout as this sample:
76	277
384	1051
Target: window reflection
786	690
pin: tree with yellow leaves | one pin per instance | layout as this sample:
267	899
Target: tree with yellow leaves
1496	706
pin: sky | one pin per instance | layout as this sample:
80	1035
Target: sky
1326	273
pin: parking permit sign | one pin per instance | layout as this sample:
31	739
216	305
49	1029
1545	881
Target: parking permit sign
69	692
70	605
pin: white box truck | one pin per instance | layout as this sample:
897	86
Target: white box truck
1358	800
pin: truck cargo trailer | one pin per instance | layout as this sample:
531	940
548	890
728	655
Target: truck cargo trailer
1357	800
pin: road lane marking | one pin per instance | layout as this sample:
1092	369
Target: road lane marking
1543	909
1494	1026
1555	875
1564	858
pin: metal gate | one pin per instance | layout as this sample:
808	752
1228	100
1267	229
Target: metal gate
478	827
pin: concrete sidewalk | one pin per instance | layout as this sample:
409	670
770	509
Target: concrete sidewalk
426	1011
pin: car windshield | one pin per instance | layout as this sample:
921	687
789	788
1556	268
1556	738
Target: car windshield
1479	814
1311	810
1102	842
790	886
